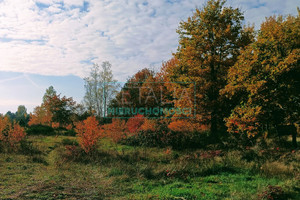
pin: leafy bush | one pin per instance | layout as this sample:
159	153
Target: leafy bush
134	123
10	134
116	130
70	132
88	133
164	138
40	130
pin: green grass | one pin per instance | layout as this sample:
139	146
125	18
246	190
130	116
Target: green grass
126	172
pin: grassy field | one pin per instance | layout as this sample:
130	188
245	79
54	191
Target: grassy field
47	170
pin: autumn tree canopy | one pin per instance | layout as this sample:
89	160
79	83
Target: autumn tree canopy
266	78
54	110
209	44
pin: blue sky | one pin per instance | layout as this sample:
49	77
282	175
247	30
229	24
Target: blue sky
54	42
28	89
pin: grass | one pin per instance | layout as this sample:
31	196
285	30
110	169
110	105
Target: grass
126	172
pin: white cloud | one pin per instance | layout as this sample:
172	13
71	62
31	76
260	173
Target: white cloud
59	39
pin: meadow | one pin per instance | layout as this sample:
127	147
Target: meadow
218	120
53	167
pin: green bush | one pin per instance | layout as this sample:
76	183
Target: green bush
40	130
164	138
70	133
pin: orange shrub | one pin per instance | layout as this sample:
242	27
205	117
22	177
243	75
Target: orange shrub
187	126
180	126
116	130
4	127
54	124
69	127
134	124
11	134
16	134
149	125
88	133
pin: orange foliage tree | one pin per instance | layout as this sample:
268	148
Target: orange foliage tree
209	44
265	79
88	133
130	95
40	115
244	120
61	108
55	111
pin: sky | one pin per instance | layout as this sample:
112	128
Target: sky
55	42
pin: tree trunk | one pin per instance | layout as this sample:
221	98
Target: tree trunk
288	130
213	100
213	126
294	139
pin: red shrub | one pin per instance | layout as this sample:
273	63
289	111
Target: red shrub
16	134
11	134
134	124
116	130
88	133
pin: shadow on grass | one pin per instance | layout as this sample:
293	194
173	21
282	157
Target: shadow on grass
27	148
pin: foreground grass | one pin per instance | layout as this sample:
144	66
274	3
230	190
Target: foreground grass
125	172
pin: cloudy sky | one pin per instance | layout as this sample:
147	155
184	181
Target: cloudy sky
54	42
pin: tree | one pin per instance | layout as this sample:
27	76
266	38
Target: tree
130	94
109	85
100	88
265	80
41	115
209	44
50	93
11	116
61	109
93	98
22	117
54	109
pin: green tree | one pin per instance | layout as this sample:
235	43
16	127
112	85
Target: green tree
21	115
50	93
61	108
